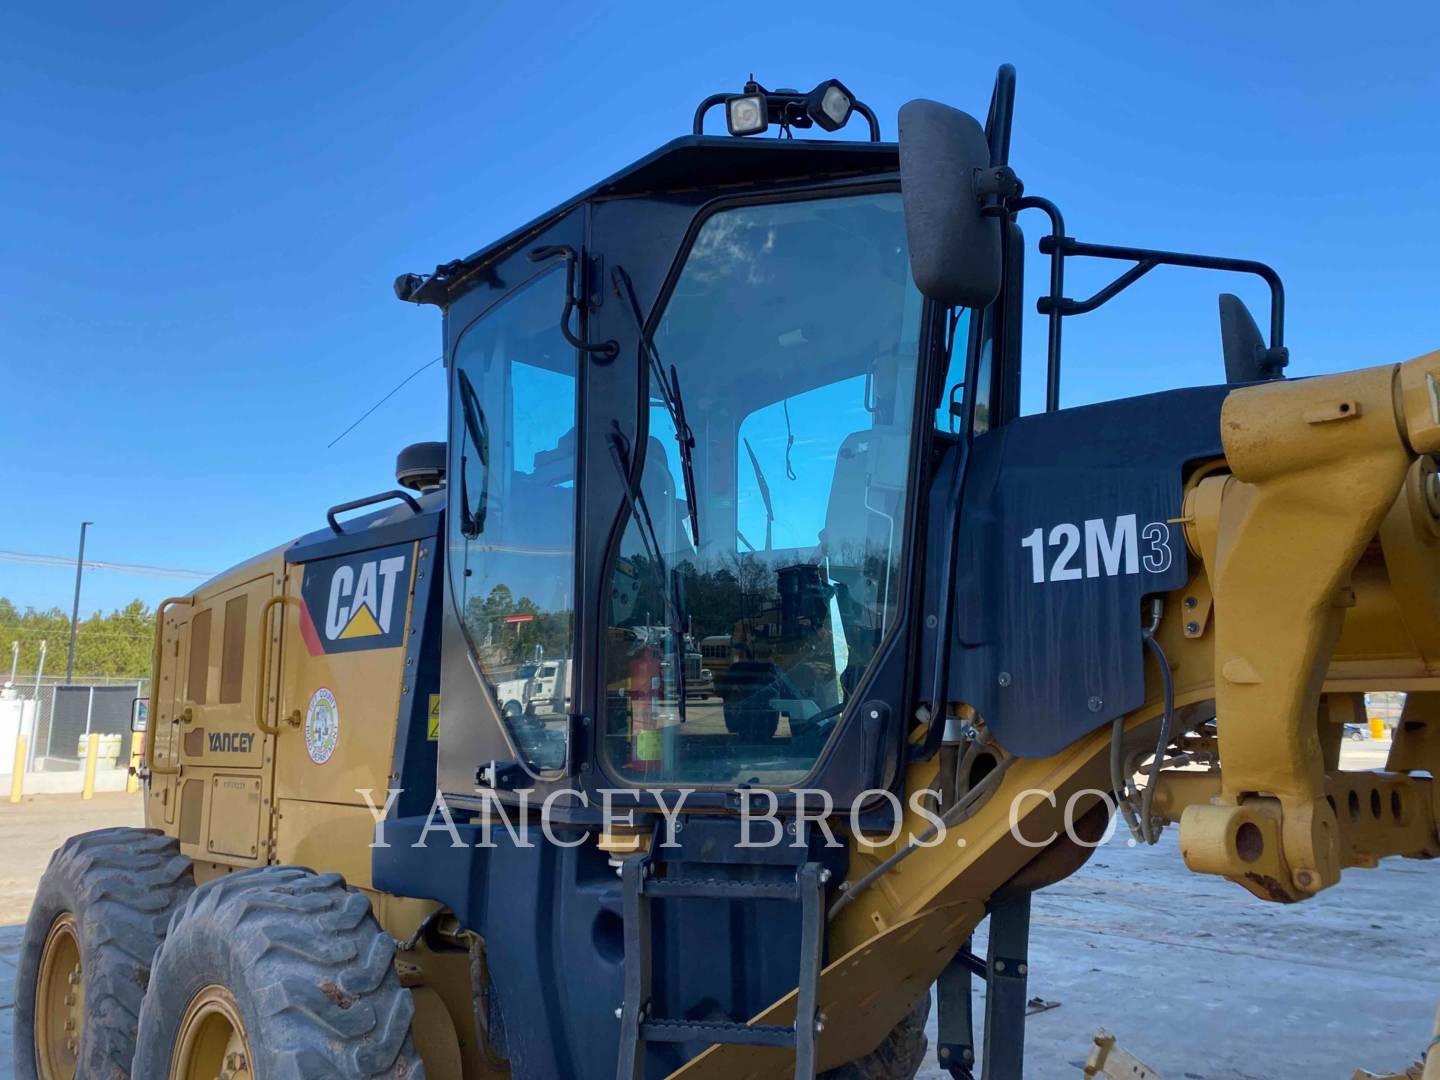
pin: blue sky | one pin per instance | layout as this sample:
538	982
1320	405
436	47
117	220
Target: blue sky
203	208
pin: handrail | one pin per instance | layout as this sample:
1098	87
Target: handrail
331	515
263	671
149	758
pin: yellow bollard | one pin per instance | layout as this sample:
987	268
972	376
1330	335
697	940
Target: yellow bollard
137	753
17	778
1377	728
92	752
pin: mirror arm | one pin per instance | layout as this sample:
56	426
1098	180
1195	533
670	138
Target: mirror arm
1057	305
1057	292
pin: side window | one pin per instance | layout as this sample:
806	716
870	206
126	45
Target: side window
512	513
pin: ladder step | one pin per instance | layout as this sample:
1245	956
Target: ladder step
720	889
717	1031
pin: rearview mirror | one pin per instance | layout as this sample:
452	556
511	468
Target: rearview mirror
139	714
954	245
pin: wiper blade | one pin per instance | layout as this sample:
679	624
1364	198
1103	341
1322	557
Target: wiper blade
669	386
640	510
764	492
472	522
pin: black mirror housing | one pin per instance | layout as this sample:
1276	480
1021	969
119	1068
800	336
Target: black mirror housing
955	253
139	714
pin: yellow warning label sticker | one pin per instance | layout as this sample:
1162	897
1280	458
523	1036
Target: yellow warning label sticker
647	745
432	730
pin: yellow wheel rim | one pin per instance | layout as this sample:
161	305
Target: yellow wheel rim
59	1001
212	1043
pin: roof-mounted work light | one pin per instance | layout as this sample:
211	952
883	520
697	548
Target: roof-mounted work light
752	111
746	115
830	105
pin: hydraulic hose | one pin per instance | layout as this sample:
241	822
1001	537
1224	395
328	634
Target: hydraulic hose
1167	721
961	811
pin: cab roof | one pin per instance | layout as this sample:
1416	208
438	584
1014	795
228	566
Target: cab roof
689	163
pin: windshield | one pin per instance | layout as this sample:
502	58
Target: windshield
791	339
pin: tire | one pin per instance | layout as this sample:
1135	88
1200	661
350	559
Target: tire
112	891
899	1056
303	963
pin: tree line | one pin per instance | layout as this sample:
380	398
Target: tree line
117	642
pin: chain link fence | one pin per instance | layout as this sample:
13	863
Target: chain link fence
57	716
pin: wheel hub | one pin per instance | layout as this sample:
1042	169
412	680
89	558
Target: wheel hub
59	1001
212	1044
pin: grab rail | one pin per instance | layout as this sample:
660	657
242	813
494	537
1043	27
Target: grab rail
262	676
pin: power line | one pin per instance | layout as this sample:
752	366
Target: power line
32	559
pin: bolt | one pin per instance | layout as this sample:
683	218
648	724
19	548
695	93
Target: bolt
1003	678
69	1025
968	1054
619	1012
1023	969
69	999
874	714
1304	879
999	965
944	1053
1095	704
679	825
819	1023
931	622
1191	603
1192	628
824	876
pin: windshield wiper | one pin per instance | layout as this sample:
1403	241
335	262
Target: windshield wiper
764	492
472	522
640	511
669	394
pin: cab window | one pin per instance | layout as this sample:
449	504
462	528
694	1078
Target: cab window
512	513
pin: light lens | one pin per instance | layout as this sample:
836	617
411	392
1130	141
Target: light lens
746	115
836	105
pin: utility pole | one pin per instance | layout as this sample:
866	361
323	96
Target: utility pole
75	609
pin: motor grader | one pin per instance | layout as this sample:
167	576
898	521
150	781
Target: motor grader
1005	633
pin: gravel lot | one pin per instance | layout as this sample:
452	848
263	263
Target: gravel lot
1196	977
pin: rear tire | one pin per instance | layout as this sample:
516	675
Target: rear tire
99	914
898	1057
293	959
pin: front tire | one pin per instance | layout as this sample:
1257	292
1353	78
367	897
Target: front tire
899	1056
285	968
99	914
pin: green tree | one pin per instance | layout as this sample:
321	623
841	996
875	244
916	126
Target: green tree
116	643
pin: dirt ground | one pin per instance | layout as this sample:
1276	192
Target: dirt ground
34	827
1197	978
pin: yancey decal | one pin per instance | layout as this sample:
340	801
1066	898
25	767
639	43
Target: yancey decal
356	602
322	726
231	742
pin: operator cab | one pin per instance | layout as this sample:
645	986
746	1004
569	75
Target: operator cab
684	408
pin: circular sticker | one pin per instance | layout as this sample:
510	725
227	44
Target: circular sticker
322	726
